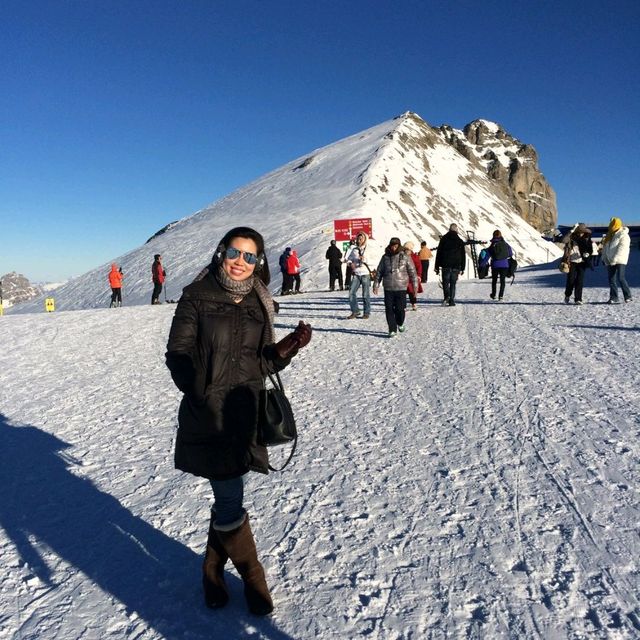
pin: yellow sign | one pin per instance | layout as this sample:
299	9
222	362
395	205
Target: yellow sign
49	304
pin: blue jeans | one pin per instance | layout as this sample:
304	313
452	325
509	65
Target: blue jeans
449	279
228	496
616	273
356	282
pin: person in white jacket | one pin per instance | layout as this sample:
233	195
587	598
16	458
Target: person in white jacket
615	254
360	277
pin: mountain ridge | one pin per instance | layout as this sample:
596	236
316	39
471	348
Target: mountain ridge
402	173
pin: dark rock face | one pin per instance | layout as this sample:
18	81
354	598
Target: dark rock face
512	165
16	288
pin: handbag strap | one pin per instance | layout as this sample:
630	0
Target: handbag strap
277	383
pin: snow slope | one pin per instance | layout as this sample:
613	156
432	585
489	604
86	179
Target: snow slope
402	174
476	477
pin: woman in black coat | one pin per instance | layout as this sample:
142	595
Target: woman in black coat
221	346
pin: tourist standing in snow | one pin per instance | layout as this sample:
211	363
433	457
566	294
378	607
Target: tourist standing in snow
115	282
425	255
615	254
395	270
293	271
499	252
451	258
158	275
348	273
334	256
360	277
578	252
286	281
221	346
411	291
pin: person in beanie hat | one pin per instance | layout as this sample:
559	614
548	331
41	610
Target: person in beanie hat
334	256
221	343
395	270
578	251
451	258
158	275
615	255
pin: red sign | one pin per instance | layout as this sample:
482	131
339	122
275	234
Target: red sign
345	230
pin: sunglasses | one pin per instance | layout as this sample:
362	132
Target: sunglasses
232	253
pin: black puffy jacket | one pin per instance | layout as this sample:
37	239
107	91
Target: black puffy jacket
218	358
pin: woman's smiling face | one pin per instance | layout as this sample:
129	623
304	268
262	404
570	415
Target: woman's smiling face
239	269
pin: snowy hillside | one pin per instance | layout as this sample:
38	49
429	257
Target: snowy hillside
476	477
402	174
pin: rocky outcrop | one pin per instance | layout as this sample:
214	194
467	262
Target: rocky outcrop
512	165
16	288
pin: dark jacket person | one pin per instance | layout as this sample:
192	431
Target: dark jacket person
451	258
221	346
334	256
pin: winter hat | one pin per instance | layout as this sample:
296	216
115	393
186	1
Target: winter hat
497	234
582	228
156	256
408	245
453	227
394	240
615	224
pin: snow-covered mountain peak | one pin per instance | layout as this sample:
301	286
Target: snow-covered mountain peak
412	180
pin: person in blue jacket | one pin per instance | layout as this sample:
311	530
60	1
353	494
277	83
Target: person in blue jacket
500	253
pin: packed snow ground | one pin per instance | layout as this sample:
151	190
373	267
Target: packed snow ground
476	477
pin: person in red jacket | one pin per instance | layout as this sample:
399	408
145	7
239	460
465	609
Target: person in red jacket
293	271
408	249
115	282
158	274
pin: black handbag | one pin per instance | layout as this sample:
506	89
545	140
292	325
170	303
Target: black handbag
276	422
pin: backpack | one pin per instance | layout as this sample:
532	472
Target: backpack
500	250
513	266
483	264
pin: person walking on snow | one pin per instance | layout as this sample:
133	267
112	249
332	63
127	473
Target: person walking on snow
395	270
360	277
615	255
499	252
578	250
221	346
451	258
411	292
286	281
425	255
293	271
158	275
334	256
115	282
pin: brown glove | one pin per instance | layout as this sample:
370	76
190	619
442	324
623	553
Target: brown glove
289	345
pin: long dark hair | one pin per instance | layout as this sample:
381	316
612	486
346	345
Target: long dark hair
262	267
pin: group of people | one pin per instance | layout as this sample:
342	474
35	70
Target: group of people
116	276
222	346
580	254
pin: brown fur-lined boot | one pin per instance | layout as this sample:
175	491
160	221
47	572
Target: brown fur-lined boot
215	590
241	547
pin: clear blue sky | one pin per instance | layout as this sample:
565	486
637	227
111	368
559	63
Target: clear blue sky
119	116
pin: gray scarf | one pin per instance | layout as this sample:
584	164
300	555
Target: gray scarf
235	289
